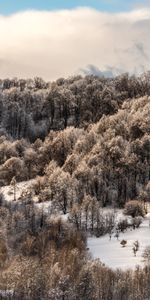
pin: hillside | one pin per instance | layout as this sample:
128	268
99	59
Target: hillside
75	188
106	154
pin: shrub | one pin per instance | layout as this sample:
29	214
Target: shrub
146	254
122	225
137	221
134	208
123	243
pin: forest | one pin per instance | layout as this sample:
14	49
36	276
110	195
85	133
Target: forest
83	144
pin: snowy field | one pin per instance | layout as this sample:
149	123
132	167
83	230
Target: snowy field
108	251
114	255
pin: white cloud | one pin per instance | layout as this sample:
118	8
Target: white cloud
56	44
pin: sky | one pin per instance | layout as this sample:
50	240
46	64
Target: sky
11	6
61	38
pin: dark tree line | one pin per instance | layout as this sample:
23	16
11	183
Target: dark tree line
31	108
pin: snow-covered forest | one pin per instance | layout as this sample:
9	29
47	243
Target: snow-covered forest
74	157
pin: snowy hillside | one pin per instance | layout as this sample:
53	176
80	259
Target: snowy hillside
108	251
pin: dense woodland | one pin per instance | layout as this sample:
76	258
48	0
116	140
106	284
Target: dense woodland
86	143
93	132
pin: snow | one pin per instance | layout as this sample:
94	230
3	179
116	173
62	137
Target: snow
21	187
24	186
114	255
119	215
5	293
46	206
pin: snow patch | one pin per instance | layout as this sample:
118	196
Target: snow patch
114	255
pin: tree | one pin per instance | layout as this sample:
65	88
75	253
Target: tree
86	207
76	216
135	248
134	208
13	184
13	167
63	189
3	252
146	255
30	157
85	287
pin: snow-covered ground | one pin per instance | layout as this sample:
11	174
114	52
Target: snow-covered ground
114	255
21	187
26	186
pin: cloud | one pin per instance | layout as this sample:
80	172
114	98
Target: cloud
93	70
109	71
140	4
54	44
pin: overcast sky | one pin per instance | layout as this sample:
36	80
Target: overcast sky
54	39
